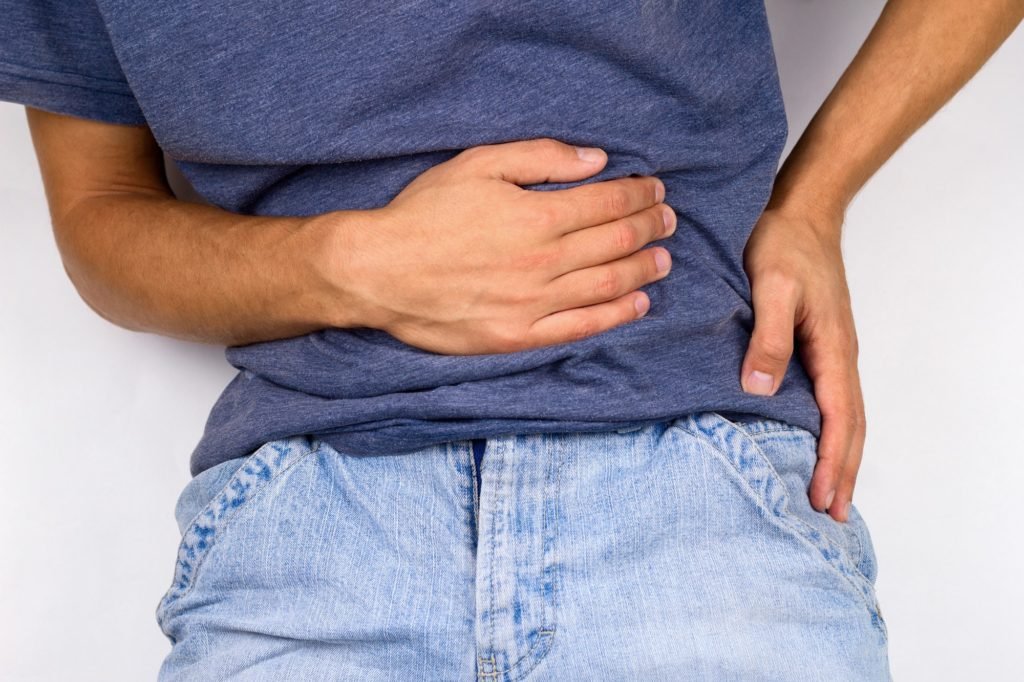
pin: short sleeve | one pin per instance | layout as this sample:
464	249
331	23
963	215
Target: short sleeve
56	55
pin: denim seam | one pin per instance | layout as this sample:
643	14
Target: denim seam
497	471
220	489
171	597
795	525
844	528
865	587
547	630
852	535
476	491
855	538
755	434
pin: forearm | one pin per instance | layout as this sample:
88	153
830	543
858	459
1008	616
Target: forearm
200	273
917	56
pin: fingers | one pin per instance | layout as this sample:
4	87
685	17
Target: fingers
614	240
600	283
771	343
831	364
525	162
597	203
579	323
528	162
848	477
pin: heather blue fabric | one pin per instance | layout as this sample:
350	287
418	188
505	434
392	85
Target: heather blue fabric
306	107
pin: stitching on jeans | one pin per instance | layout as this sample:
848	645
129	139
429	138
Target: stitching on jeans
847	529
755	434
225	519
796	525
497	470
844	528
512	666
546	629
476	491
241	463
870	595
172	597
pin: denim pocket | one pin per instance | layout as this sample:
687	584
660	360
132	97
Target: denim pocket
220	494
853	534
203	487
776	461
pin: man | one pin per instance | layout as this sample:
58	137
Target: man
384	292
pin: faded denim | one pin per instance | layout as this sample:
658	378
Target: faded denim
680	550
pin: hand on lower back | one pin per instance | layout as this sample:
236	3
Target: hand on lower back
798	284
465	261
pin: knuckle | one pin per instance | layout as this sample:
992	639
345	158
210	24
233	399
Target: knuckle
506	338
583	328
539	259
548	215
607	283
471	154
616	199
625	236
778	280
775	349
549	145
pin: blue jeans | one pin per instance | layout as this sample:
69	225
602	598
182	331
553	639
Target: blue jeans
680	550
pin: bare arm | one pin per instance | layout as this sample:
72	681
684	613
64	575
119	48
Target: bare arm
919	53
436	267
147	261
917	56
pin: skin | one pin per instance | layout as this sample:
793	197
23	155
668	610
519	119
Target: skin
437	268
147	261
917	56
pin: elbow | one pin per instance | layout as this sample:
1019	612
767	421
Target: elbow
94	303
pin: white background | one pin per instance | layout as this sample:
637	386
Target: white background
97	422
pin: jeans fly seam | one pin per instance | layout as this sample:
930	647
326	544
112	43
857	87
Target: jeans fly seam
476	492
496	469
795	525
546	629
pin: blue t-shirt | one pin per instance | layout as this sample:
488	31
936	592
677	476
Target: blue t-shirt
302	108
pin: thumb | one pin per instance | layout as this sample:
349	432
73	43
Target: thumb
525	162
771	344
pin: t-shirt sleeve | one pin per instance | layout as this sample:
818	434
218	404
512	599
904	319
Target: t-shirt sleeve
56	55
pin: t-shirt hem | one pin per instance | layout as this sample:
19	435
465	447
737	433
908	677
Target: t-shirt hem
70	94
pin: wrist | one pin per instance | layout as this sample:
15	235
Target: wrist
332	265
822	211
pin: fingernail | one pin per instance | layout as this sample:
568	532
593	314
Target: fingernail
659	192
668	217
642	303
828	500
760	383
590	154
846	510
662	259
